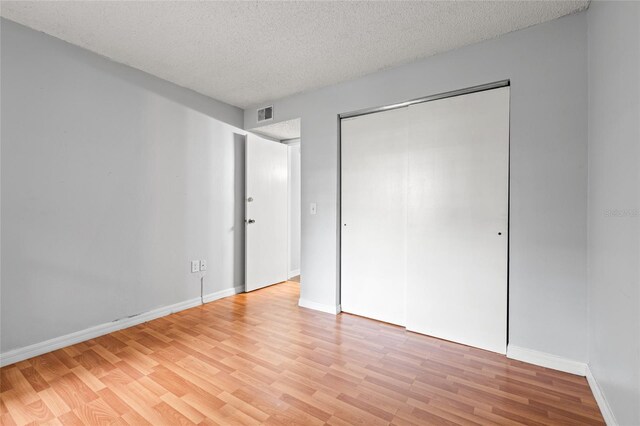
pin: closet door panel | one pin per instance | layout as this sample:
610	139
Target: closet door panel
373	206
458	173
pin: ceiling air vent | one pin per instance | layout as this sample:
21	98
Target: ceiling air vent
265	114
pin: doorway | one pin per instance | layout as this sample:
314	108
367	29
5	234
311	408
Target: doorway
272	209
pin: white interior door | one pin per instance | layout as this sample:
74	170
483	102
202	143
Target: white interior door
265	212
457	219
373	209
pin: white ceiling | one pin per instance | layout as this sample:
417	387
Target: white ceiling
246	53
281	131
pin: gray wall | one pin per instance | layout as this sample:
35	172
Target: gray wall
547	68
614	205
112	180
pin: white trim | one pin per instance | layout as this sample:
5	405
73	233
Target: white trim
288	210
20	354
223	293
330	309
293	273
289	216
547	360
598	394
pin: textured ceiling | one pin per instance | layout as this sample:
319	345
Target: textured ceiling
246	53
281	131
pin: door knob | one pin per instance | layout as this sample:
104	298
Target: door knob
251	221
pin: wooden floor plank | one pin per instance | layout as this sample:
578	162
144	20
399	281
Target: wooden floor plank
258	358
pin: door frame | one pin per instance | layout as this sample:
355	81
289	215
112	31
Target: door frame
443	95
289	270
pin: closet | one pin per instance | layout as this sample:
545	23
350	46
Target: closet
424	210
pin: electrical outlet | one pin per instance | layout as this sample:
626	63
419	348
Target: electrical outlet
203	265
195	266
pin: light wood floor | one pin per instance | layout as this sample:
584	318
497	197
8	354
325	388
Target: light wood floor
259	359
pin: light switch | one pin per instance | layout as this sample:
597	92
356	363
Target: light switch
313	208
195	266
203	265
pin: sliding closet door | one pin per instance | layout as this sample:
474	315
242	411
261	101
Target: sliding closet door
374	173
457	219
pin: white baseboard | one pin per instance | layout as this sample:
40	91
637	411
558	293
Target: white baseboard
544	359
293	273
330	309
605	409
223	293
20	354
569	366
